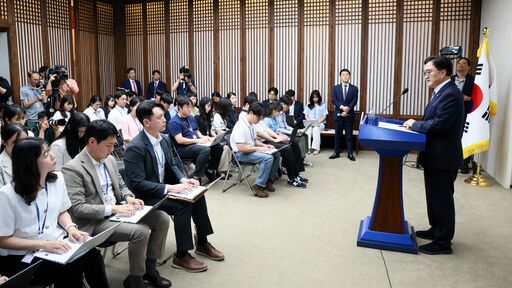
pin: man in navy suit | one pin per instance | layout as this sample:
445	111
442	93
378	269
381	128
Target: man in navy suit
131	83
296	109
344	100
443	124
153	169
155	85
464	82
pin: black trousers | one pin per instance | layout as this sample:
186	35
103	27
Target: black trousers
183	212
69	275
439	190
347	124
291	156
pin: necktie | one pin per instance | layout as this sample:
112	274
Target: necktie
154	90
433	96
344	92
134	87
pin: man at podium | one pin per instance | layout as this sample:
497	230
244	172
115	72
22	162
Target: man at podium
443	124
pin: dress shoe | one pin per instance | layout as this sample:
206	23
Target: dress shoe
425	234
189	264
433	248
334	156
129	284
351	157
157	281
270	186
210	252
464	170
258	191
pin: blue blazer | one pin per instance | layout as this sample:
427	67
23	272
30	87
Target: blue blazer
151	89
350	101
298	114
126	85
141	168
443	122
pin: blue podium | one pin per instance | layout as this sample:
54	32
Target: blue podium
387	228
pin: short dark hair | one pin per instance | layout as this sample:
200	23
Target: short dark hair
273	89
250	99
230	94
257	109
100	130
156	71
274	106
182	101
42	115
286	99
10	111
160	92
345	70
216	94
119	93
166	98
130	69
252	93
24	162
464	58
441	63
145	109
290	92
32	72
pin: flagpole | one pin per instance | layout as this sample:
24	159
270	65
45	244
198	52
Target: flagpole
478	179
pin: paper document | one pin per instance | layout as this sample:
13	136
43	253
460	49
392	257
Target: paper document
77	250
394	126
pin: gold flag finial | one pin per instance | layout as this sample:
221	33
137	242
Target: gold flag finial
485	31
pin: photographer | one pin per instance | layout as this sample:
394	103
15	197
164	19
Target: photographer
5	92
184	85
33	99
59	84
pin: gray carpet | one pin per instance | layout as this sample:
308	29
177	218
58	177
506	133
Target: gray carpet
307	237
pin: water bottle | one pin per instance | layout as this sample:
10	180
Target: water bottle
371	117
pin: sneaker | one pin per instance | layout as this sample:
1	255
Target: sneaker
308	163
302	179
296	184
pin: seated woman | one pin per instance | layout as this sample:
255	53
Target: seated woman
10	134
70	141
221	124
204	118
195	109
315	110
233	115
94	110
66	108
131	126
108	105
42	197
15	114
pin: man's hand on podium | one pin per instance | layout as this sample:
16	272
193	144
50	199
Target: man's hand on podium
408	123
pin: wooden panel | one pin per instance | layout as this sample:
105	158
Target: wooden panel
381	53
156	38
416	46
455	24
229	30
135	40
29	36
86	53
286	34
59	34
106	63
3	9
179	37
316	44
348	41
257	47
203	47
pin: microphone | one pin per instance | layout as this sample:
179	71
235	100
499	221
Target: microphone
394	100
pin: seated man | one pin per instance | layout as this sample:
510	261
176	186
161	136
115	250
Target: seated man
152	170
249	149
96	190
186	136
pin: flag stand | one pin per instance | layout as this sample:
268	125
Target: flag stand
478	179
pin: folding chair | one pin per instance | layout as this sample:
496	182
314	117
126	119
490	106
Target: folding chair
241	175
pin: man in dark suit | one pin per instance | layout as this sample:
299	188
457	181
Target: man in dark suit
131	83
152	170
272	96
296	109
96	190
464	82
155	85
443	124
344	99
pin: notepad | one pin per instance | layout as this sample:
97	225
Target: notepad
77	250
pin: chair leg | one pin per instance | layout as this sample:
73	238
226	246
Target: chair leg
117	253
226	178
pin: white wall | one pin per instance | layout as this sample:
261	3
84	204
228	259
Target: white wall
4	57
498	160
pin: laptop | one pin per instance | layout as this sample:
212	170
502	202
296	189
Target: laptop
23	278
138	215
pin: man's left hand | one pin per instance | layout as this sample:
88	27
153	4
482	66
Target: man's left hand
408	124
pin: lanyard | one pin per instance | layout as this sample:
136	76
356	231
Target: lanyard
253	137
106	180
283	116
40	226
161	157
191	130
